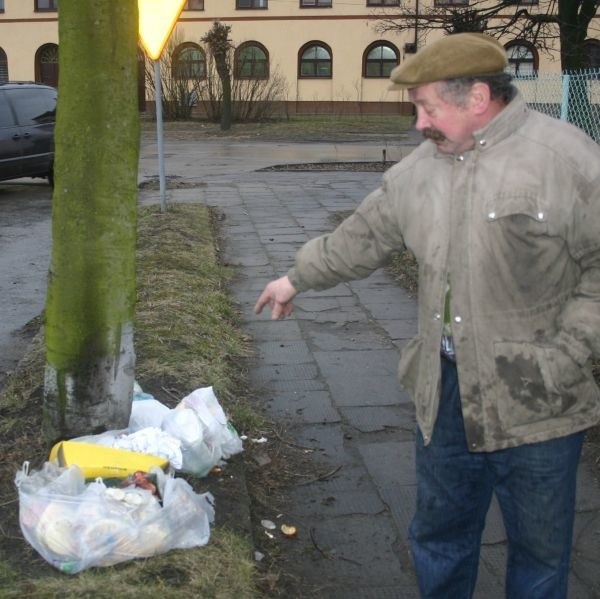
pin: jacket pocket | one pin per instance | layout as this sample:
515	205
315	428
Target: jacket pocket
408	369
523	210
537	382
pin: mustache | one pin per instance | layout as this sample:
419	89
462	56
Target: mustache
433	134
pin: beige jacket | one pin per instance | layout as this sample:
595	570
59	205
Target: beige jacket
515	225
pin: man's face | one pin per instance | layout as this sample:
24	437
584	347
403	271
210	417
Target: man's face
449	126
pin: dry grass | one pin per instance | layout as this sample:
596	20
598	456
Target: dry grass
327	128
187	330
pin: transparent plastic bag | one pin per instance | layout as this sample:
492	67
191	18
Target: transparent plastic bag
218	430
75	526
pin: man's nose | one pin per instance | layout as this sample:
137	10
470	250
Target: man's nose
421	120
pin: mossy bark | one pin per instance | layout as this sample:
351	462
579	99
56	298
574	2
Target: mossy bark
91	290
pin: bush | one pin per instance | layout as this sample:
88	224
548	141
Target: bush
202	96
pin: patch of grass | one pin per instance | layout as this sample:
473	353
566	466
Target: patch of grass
326	128
403	268
187	330
221	570
187	336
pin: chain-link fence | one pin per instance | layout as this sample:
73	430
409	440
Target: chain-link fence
572	97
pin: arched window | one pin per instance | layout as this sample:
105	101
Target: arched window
189	62
522	59
315	60
251	61
591	54
3	66
379	59
46	65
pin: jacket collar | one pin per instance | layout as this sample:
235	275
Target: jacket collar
503	125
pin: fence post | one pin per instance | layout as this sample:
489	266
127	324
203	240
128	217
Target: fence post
564	107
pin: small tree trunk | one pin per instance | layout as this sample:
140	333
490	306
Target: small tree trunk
225	77
91	291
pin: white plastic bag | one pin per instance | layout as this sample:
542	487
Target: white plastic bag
219	431
75	526
200	424
195	436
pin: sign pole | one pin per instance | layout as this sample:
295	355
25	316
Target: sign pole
157	20
159	135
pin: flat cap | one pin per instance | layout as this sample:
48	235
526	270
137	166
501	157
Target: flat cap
453	56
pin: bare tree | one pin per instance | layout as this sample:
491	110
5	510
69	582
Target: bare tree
219	45
178	89
184	87
544	23
253	98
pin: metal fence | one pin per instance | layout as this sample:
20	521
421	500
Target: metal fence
570	96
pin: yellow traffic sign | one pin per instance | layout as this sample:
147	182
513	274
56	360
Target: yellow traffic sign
157	19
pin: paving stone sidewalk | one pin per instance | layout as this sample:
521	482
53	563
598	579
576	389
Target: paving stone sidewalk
330	373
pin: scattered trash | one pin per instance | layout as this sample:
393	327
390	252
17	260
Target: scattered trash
258	556
261	440
195	436
103	499
76	525
288	531
268	524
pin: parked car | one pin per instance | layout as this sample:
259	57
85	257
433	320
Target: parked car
27	115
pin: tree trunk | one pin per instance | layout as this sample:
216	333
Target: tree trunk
572	35
225	77
91	291
574	21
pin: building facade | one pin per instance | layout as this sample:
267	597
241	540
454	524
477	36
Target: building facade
329	54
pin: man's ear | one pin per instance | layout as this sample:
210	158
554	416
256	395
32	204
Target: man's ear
480	97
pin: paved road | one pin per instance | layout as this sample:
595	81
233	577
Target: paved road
25	208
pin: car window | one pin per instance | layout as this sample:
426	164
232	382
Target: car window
6	115
34	106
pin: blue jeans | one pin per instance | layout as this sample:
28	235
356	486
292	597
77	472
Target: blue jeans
535	487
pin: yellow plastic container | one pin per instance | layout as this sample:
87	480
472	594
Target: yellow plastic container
106	462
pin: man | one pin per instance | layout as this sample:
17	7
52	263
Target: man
501	207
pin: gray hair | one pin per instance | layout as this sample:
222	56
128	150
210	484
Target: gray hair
455	91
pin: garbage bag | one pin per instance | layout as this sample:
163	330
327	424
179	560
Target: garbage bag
198	421
75	526
195	436
218	430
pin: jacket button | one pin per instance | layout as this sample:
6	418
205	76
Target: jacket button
540	216
437	316
457	319
491	215
482	142
460	158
